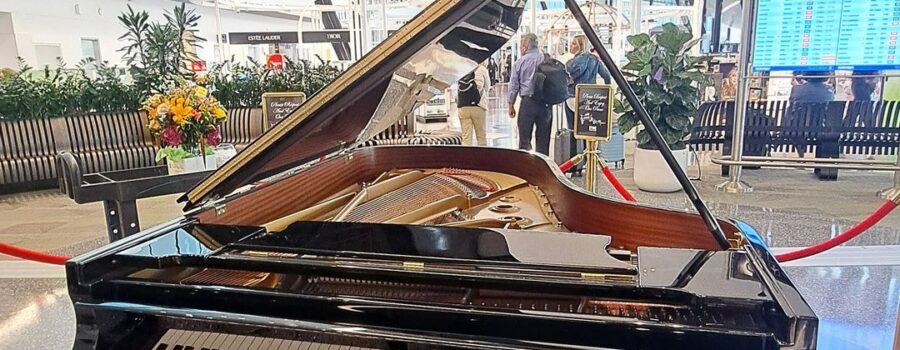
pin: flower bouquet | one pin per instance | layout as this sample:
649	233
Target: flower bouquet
185	121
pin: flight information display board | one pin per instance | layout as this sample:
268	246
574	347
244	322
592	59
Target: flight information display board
821	35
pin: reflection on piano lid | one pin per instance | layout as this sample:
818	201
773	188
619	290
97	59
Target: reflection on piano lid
176	339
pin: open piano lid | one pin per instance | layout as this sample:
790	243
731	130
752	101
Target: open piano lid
435	49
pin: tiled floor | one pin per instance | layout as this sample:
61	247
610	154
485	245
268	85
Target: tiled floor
854	290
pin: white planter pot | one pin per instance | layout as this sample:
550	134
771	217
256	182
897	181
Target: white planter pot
191	165
652	174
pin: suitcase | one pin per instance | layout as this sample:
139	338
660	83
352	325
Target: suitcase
564	144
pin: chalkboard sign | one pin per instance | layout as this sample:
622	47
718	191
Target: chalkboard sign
278	105
593	116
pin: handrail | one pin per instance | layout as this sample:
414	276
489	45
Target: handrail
824	163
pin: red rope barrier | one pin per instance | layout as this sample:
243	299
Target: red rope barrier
842	238
32	255
618	185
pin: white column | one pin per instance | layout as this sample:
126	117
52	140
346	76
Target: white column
697	24
533	16
384	19
219	34
636	16
364	24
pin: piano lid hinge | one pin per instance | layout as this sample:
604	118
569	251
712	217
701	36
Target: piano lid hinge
220	208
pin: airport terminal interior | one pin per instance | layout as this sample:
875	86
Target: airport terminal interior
447	174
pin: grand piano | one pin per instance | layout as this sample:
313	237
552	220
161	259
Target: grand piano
307	240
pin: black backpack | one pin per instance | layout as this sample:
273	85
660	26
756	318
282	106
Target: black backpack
551	82
468	91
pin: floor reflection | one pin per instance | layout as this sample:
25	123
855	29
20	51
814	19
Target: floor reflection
857	306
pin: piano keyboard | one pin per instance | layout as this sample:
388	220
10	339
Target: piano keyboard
176	339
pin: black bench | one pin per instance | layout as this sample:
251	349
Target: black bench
28	154
828	129
101	142
243	126
402	133
111	141
870	128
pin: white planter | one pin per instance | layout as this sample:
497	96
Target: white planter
652	174
191	165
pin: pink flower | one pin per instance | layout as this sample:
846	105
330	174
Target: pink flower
171	136
214	138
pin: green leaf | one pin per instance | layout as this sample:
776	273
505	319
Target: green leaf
643	139
172	153
627	121
639	40
633	66
677	122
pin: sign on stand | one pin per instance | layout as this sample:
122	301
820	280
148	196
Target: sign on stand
278	105
593	114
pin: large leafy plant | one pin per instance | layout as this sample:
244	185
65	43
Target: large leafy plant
158	52
664	76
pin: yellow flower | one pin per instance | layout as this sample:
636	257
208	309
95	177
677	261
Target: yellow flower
201	91
180	113
219	112
154	124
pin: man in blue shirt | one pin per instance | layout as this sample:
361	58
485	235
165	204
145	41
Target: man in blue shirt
532	113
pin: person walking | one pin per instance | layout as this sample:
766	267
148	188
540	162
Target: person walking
532	114
584	69
472	105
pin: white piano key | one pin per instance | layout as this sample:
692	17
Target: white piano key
232	342
207	340
191	339
219	342
241	343
165	339
254	345
177	338
267	344
286	345
298	345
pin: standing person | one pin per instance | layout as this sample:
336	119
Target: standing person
472	103
493	69
532	113
863	86
583	68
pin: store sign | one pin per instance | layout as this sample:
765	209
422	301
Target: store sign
278	105
263	38
327	36
198	66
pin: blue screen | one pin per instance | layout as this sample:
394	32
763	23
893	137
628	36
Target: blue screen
821	35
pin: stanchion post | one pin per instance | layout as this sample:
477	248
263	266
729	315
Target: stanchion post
734	183
590	166
893	191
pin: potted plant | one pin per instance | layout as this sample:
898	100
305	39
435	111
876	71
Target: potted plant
663	75
185	120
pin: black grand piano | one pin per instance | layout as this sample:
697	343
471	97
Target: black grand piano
307	240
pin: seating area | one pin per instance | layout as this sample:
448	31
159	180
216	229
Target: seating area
101	142
120	141
827	130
